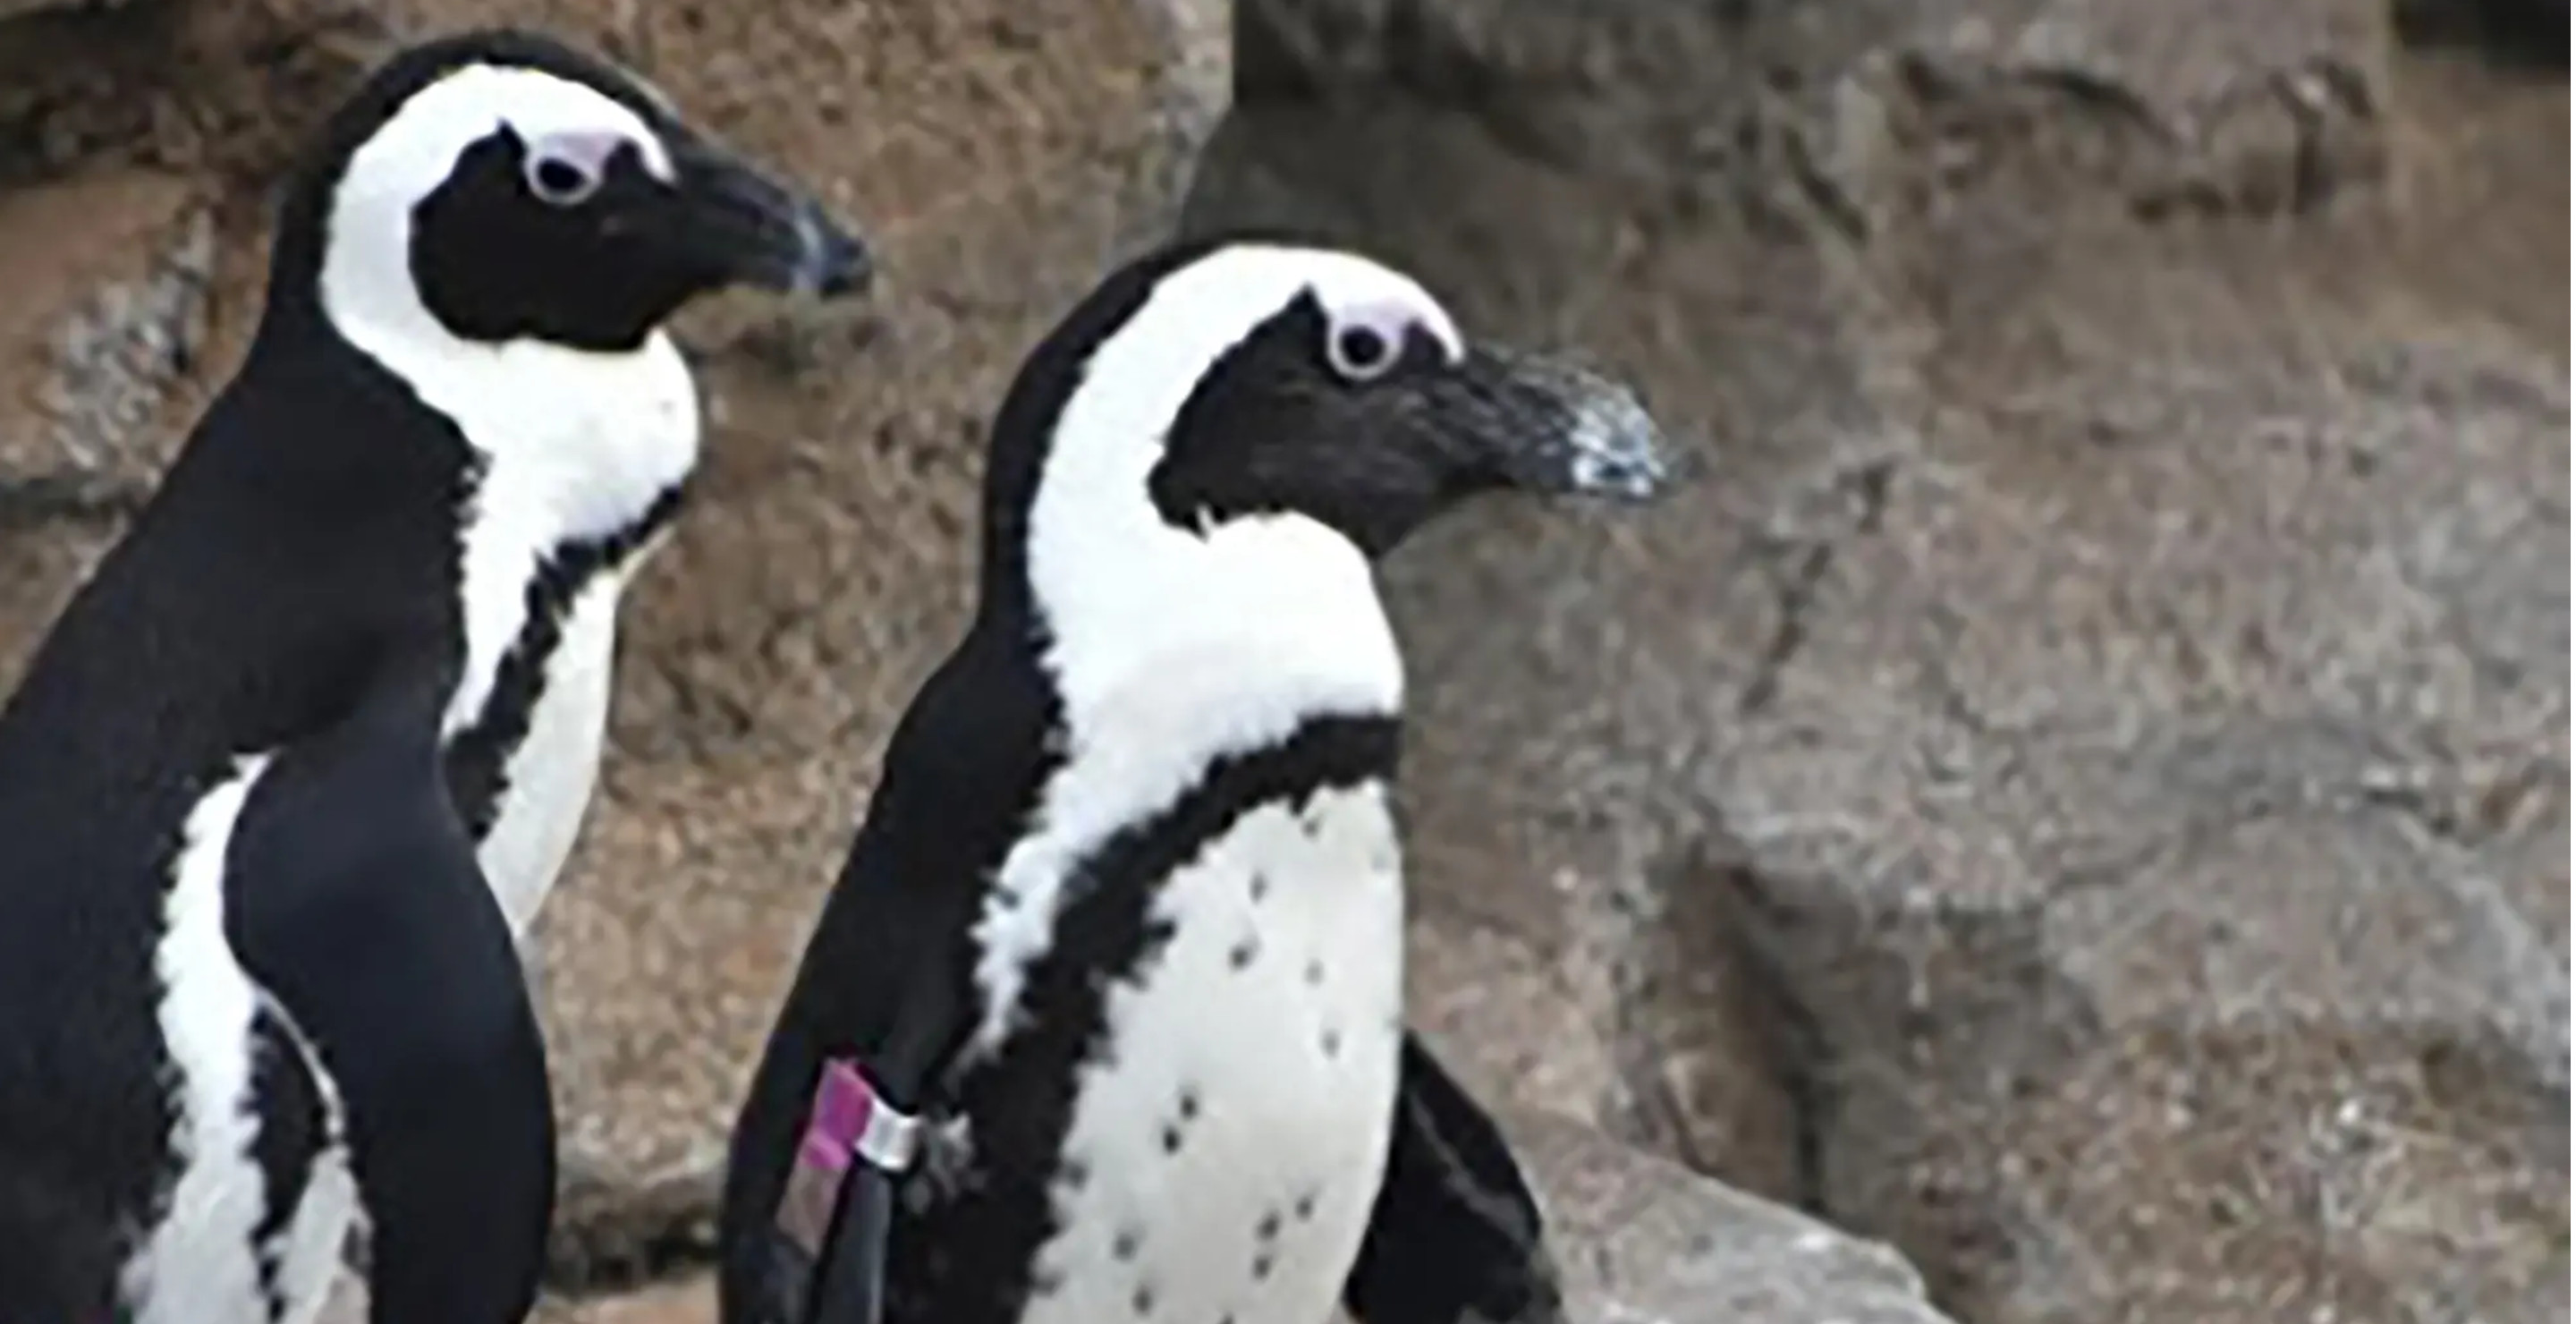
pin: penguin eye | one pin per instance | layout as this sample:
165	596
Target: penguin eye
558	182
1367	344
565	168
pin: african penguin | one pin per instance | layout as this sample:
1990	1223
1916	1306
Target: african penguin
1138	829
257	999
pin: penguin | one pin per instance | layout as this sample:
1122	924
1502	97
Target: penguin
261	1010
1112	973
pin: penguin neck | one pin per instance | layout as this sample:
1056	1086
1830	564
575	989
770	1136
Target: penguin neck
1180	647
587	440
575	455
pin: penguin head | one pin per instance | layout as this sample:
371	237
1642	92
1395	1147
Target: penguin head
1219	384
499	186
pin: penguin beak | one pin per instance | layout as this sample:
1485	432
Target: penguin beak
743	227
1540	425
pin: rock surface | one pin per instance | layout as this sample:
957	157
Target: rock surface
2080	789
1643	1241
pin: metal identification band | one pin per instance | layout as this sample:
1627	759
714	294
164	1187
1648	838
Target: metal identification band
850	1122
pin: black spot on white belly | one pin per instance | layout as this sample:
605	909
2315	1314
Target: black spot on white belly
1112	941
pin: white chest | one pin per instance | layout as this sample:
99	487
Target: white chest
1222	1162
199	1261
578	448
548	780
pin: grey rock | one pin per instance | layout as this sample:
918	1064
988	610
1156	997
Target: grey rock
1643	1241
1647	1241
110	297
119	358
10	9
1847	116
2078	790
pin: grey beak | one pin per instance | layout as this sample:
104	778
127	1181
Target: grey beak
1556	428
757	231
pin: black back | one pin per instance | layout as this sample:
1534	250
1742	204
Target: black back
304	534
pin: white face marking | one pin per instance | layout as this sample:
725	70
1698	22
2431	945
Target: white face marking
366	263
1170	648
575	444
1234	1145
567	166
197	1264
1365	340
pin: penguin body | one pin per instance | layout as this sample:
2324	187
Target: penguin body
258	1002
1140	827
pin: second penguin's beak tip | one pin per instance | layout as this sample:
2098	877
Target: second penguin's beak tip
1616	451
834	262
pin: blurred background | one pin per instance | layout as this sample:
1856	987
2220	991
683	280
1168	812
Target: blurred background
2077	795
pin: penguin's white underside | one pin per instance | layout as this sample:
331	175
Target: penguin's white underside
549	778
207	1238
1220	1164
574	446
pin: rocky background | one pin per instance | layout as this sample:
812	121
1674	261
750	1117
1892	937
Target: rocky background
2077	793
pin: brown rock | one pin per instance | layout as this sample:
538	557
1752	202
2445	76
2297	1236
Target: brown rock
691	1301
1646	1241
106	316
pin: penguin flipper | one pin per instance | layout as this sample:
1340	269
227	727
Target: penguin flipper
1456	1236
874	987
886	978
354	897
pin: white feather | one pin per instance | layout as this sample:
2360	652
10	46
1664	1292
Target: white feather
309	1250
551	775
197	1263
1275	1008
